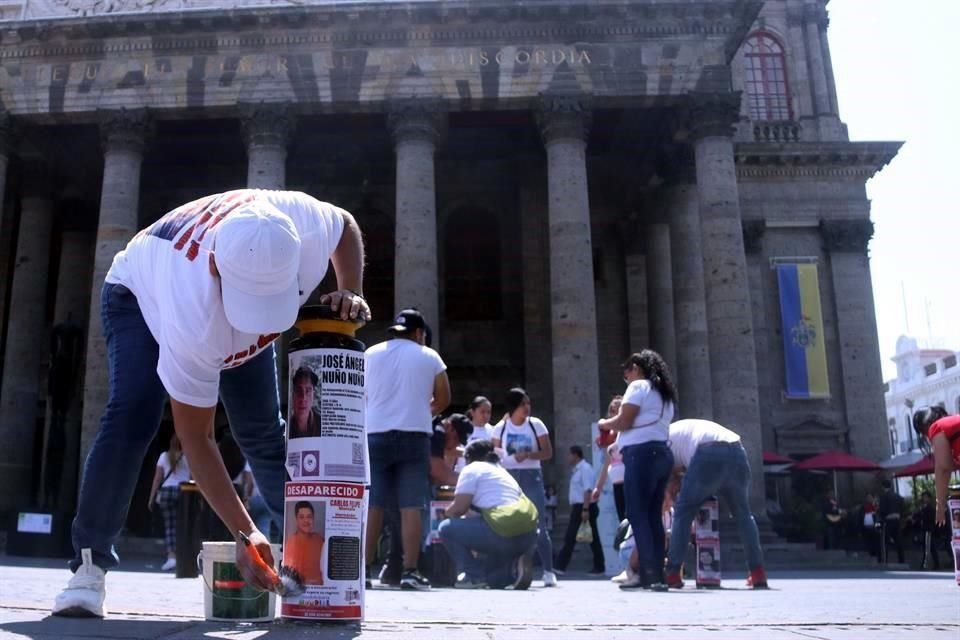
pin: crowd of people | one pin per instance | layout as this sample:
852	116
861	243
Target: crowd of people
190	309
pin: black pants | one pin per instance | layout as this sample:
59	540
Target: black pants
570	539
619	501
893	536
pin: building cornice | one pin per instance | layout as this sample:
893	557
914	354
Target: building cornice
373	25
853	160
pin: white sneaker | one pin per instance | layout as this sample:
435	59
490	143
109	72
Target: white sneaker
83	597
169	565
549	579
620	577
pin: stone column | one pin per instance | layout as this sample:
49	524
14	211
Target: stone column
70	308
733	364
660	283
123	135
564	123
26	340
414	127
846	241
689	299
267	129
828	65
638	309
815	16
6	219
798	69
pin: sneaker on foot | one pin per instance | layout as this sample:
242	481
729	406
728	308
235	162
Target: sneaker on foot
757	579
674	581
549	579
390	575
633	582
620	577
411	580
169	565
83	597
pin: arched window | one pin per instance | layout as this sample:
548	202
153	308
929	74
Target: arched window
765	78
893	442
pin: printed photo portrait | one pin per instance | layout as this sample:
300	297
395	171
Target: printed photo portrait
304	414
304	539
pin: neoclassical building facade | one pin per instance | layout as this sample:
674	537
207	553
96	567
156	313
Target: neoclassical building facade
555	183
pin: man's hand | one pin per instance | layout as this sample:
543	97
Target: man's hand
351	306
520	456
255	575
595	495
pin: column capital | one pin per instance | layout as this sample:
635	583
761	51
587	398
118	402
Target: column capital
415	119
753	231
850	235
564	116
816	13
713	114
123	128
267	124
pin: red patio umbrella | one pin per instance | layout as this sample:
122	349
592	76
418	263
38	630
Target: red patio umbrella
922	467
836	461
775	458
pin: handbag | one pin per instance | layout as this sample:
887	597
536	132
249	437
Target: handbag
511	520
585	533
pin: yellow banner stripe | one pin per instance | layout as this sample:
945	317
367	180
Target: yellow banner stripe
816	352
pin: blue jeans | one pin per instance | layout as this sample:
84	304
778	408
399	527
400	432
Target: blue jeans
531	483
399	464
132	418
496	567
647	469
720	469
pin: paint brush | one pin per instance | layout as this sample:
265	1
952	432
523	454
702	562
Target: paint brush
287	583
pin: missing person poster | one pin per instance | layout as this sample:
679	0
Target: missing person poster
706	526
326	435
438	513
323	531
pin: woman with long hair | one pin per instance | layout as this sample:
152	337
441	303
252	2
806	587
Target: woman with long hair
172	469
526	443
643	423
941	435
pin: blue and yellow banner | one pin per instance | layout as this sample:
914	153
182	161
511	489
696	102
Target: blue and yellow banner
805	356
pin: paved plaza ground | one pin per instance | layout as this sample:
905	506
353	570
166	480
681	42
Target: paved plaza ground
148	605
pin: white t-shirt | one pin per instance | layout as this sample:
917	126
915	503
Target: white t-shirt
653	413
489	484
180	474
483	432
520	437
687	435
166	266
399	386
581	479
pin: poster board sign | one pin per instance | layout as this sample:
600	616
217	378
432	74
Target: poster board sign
438	513
326	433
323	540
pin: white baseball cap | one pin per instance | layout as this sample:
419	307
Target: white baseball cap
257	253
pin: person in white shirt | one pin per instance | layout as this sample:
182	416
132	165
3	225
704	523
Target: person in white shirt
482	556
406	384
525	441
172	469
479	413
715	464
644	423
190	310
612	467
582	509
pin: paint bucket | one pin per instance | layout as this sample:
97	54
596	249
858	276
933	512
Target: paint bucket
226	597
